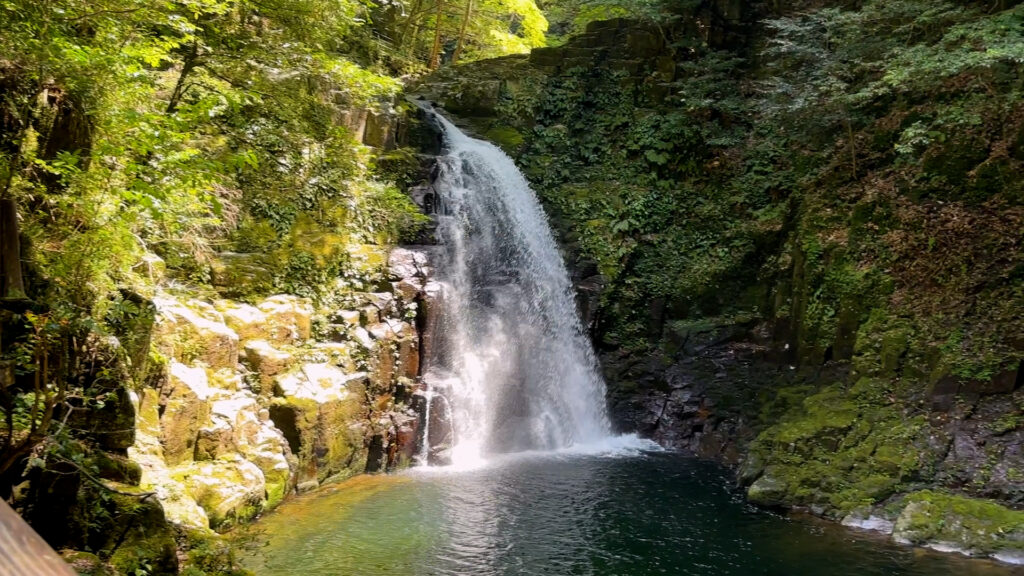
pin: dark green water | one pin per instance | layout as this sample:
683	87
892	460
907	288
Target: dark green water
553	516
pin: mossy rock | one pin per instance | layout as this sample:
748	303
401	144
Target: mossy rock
242	275
972	525
148	539
507	138
827	415
87	564
116	467
327	437
229	491
206	554
769	490
838	450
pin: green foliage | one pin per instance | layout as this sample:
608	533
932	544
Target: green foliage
635	183
418	31
570	17
179	130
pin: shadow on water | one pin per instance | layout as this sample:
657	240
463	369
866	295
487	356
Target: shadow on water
568	515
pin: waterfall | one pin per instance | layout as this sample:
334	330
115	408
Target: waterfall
511	354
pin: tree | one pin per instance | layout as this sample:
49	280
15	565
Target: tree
466	17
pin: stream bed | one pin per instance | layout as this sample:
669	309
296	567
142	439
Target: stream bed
553	515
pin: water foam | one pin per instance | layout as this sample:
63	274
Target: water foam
511	354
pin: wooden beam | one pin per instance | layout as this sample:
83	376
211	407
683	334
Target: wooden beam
25	553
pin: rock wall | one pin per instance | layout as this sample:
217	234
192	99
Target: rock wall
252	402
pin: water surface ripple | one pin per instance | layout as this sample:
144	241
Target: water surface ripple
568	515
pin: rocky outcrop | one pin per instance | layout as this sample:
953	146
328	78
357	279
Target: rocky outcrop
251	402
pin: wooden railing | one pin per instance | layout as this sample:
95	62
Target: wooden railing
25	553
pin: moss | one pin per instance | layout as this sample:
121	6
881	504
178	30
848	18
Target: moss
825	414
979	526
254	236
278	483
206	554
148	543
507	138
86	564
839	449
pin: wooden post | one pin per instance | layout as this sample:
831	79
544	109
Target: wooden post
25	553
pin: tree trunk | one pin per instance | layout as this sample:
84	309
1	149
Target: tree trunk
435	52
466	16
190	63
410	19
10	251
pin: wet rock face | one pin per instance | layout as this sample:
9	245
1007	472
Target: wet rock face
985	440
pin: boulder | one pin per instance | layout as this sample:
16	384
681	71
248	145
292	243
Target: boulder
229	491
380	130
327	438
86	563
116	467
147	541
362	337
253	435
179	507
369	315
347	317
249	322
267	362
409	263
406	441
185	410
429	315
110	426
951	522
289	319
193	332
409	289
320	382
768	490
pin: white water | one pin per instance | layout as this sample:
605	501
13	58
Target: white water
511	354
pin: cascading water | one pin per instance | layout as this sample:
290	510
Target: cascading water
510	352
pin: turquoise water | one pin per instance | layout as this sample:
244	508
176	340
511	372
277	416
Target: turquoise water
569	515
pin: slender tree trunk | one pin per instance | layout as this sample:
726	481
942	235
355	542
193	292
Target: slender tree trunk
411	18
10	251
435	52
190	63
466	16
